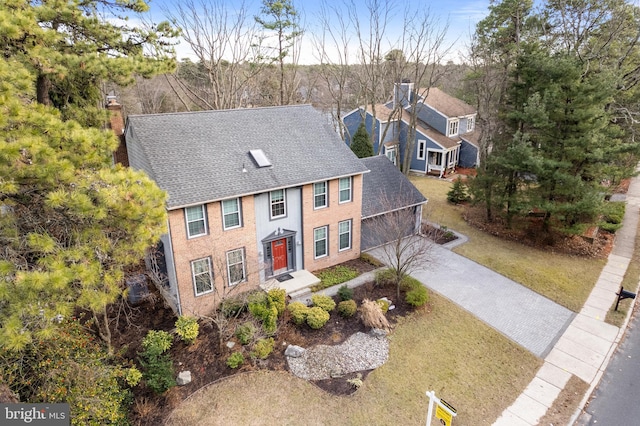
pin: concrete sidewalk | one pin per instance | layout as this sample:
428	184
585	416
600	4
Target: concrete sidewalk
585	348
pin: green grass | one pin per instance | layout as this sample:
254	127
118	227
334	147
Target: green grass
442	348
567	280
334	276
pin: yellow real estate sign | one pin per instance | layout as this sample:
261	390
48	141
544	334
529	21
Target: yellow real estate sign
444	415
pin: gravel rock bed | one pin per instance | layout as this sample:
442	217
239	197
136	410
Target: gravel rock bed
359	352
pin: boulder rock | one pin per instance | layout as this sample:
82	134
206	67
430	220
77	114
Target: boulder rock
378	333
184	378
294	351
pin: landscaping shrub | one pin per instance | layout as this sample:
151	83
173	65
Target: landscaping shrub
334	276
263	309
235	360
187	328
613	213
233	306
409	283
347	308
132	376
317	317
458	192
245	332
298	312
157	365
263	348
278	298
372	316
384	305
270	322
324	302
385	277
417	297
345	293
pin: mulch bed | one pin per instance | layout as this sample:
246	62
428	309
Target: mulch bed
438	235
206	358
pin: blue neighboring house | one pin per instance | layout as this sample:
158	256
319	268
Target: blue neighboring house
446	134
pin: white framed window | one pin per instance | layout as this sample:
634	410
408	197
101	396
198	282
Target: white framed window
345	190
390	153
202	276
278	203
320	242
236	267
421	149
196	221
344	235
231	214
470	123
320	195
453	127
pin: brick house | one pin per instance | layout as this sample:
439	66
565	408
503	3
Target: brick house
254	195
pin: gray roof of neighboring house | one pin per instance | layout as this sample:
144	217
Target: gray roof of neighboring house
385	188
198	157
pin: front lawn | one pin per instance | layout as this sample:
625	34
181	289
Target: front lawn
565	279
442	348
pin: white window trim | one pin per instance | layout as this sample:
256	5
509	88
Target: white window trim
238	211
454	123
326	195
422	143
470	124
340	201
326	242
193	276
284	202
340	234
204	218
244	267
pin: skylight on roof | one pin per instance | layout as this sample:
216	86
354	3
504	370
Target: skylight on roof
260	158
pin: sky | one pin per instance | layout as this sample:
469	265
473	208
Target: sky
461	16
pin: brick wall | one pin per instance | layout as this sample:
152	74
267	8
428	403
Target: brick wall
331	216
116	124
214	245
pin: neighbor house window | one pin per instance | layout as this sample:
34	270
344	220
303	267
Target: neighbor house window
278	203
453	127
470	124
421	149
320	242
390	153
196	221
231	213
319	195
344	235
236	266
202	277
345	190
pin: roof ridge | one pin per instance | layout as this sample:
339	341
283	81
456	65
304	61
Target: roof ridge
206	111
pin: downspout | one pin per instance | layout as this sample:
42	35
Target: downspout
175	275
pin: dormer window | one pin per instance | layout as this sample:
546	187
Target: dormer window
453	127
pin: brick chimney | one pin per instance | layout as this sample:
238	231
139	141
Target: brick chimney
116	123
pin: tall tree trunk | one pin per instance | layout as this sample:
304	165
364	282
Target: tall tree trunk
43	87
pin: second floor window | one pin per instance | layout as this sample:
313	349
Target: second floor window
345	190
196	221
453	127
469	124
278	203
231	213
319	195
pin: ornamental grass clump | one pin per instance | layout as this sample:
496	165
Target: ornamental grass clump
372	316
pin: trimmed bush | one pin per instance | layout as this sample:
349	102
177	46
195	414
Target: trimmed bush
417	297
347	308
278	298
187	328
385	277
345	293
263	348
156	342
298	311
317	317
233	306
384	305
262	308
324	302
235	360
409	283
245	332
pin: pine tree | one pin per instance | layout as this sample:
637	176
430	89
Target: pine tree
360	143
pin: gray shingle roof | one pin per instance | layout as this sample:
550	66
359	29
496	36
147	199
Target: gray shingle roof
385	188
199	157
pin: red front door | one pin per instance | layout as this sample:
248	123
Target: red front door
279	253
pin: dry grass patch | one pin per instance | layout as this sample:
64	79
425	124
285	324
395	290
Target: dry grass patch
567	280
566	403
441	348
629	282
